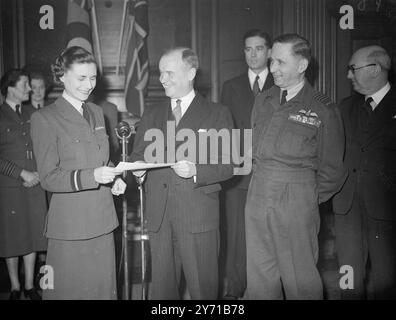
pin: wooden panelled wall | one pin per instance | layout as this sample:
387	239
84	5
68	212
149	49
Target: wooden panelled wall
312	20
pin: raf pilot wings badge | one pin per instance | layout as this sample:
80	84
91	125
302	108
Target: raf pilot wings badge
306	117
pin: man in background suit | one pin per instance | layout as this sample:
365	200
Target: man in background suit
365	220
238	95
182	204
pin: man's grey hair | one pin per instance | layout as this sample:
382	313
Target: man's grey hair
381	57
189	56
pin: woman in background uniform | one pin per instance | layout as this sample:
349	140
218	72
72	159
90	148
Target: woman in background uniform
22	200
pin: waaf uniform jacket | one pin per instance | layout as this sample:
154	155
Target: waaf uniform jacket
68	150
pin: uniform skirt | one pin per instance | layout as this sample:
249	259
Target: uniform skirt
81	269
22	221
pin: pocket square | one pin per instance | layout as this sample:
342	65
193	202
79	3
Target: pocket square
394	117
99	128
202	130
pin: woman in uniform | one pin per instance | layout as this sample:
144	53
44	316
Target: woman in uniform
22	200
72	151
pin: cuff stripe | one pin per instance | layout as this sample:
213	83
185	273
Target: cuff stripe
79	184
73	186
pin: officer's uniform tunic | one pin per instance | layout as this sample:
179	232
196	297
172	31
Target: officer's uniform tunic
297	164
81	216
22	210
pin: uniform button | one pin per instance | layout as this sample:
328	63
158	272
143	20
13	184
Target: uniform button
13	212
77	140
21	123
8	130
26	144
24	133
363	149
377	237
354	170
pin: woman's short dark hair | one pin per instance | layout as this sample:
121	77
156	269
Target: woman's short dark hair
10	79
67	58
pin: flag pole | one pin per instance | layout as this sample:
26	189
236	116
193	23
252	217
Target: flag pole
96	36
121	36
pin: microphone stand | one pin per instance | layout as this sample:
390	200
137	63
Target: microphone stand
124	136
143	235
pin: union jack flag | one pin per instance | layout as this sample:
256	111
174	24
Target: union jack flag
136	68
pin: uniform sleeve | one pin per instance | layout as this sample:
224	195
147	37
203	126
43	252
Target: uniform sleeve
213	173
331	173
10	169
53	177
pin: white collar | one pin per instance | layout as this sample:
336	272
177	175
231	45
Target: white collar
379	95
35	104
185	101
252	77
293	91
12	104
73	101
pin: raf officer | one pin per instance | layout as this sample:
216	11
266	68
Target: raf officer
297	153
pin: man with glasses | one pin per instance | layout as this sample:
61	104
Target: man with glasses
365	208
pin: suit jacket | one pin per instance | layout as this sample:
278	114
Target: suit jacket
68	149
199	200
238	96
371	161
16	151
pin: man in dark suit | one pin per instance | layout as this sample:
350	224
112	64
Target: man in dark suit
366	205
182	204
238	95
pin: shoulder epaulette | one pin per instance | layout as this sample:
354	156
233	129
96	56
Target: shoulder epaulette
318	96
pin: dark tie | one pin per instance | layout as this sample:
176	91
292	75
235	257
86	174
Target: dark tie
85	112
18	110
283	98
38	107
367	105
177	111
256	87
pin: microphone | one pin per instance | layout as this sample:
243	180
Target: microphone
123	129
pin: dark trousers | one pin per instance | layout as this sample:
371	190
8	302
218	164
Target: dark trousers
234	242
369	247
174	249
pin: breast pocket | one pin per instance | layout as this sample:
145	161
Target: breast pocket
297	140
102	143
72	152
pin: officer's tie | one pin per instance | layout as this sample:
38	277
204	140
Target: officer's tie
177	111
85	112
367	105
38	107
256	87
18	110
283	98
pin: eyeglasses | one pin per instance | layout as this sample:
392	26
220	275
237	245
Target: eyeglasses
353	69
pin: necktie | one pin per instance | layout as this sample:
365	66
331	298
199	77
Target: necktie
367	105
85	112
38	107
283	98
256	87
18	109
177	111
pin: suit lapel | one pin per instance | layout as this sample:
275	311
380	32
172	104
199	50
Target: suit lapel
382	114
269	82
194	115
68	112
9	113
354	115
